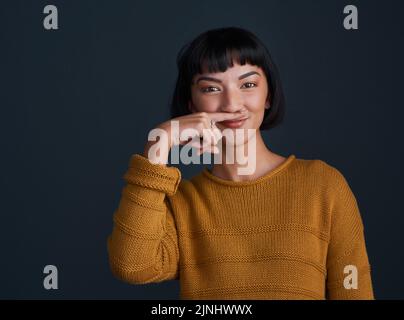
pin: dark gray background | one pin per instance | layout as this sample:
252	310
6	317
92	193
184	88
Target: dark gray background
78	101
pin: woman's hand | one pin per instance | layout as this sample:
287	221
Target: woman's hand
203	125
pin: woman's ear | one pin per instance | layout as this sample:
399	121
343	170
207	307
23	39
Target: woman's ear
268	103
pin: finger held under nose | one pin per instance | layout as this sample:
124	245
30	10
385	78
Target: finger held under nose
221	116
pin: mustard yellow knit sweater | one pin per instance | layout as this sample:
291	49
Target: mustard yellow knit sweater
286	235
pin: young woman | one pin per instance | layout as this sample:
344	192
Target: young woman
290	229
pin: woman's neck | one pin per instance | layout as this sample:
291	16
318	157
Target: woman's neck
264	161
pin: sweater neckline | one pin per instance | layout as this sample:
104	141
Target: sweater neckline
268	175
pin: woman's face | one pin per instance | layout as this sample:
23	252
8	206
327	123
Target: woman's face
241	87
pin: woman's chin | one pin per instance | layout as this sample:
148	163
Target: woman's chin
237	136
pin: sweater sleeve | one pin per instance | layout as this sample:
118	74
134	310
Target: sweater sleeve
348	268
143	245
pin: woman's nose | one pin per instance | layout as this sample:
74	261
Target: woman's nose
232	101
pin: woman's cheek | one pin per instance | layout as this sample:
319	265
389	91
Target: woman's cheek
255	103
201	102
209	104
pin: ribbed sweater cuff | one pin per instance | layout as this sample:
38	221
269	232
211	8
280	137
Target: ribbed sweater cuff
158	177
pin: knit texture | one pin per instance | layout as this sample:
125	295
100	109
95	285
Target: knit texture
286	235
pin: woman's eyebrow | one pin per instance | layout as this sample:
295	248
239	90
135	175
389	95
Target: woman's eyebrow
245	75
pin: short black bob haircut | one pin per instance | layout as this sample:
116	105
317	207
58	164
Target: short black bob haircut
215	50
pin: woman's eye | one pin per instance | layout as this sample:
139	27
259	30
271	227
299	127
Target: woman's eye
249	85
209	89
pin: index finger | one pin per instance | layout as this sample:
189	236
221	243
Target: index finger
221	116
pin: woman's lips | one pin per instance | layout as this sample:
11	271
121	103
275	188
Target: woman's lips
233	123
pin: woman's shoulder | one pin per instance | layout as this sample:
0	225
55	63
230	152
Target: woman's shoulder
321	170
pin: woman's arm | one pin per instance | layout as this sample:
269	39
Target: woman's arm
143	246
348	268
